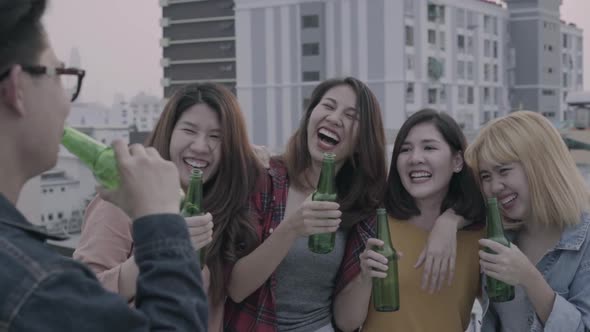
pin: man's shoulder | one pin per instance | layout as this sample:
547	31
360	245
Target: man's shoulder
26	262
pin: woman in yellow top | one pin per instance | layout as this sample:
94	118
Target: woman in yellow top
427	176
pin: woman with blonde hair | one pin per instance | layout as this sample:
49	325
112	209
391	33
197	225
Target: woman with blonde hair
522	161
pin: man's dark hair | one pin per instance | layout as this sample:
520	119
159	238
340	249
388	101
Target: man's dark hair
22	36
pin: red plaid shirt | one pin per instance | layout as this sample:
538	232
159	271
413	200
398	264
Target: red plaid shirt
257	311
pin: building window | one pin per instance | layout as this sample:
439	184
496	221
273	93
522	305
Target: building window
495	25
495	49
461	43
410	93
60	215
409	35
496	79
548	92
469	45
442	40
461	18
486	96
435	68
436	13
443	95
63	189
487	48
311	49
409	7
311	76
50	190
470	96
410	62
565	41
470	19
461	95
486	72
470	71
549	114
310	21
486	116
45	191
431	37
550	70
461	69
565	80
432	95
50	216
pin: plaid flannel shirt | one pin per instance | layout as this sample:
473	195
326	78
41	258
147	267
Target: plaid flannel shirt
257	312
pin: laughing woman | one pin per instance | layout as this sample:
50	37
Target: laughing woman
428	176
522	160
202	126
281	285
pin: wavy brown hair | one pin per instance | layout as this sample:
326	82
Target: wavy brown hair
226	195
361	180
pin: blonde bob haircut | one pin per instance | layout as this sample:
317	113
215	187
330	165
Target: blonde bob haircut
557	189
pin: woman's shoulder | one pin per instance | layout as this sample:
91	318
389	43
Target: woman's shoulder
99	209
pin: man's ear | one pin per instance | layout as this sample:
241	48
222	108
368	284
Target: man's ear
12	91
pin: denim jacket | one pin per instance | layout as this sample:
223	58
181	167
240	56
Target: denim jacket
567	270
43	291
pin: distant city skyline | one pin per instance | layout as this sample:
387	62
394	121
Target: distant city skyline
118	43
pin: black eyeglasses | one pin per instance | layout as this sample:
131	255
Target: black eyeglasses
71	77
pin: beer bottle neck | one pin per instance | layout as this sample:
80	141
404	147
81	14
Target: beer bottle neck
194	196
82	146
494	224
383	229
327	183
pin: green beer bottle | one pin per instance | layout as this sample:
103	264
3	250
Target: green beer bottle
326	191
193	201
97	156
498	291
386	290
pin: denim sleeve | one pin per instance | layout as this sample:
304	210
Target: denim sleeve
169	295
572	314
169	287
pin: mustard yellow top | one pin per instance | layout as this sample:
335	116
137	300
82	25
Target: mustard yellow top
447	310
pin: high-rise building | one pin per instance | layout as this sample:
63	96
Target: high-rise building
198	43
547	57
572	65
446	54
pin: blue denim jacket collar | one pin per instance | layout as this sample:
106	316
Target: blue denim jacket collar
11	217
574	236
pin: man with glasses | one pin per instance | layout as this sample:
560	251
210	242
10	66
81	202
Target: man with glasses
39	289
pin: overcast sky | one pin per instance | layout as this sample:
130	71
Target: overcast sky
118	41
